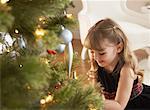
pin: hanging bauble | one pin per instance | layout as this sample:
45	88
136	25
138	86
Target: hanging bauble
6	42
14	55
21	42
66	36
60	48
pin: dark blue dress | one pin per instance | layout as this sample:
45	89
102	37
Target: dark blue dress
140	96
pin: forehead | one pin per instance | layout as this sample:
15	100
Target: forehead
103	45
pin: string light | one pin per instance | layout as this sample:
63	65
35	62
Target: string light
4	1
39	32
20	66
42	18
69	16
49	98
28	87
16	31
42	101
46	61
8	50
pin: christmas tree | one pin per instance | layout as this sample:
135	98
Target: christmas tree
29	78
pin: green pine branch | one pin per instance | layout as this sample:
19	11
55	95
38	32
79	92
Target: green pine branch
6	19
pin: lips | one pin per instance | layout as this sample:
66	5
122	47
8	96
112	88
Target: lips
100	63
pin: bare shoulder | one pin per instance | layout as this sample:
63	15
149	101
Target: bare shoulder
127	71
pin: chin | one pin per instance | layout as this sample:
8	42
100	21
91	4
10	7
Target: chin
101	64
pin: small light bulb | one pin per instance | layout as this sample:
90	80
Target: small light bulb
8	50
16	31
4	1
28	87
42	101
46	61
42	18
69	16
39	32
49	98
20	66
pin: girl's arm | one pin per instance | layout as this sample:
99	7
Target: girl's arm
124	90
112	105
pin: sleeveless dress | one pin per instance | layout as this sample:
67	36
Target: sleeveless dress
140	96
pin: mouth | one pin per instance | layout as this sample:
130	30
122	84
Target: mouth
100	62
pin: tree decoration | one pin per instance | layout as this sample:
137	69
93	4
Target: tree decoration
58	85
42	101
46	14
29	79
51	52
60	48
6	42
66	36
20	77
4	1
21	42
74	75
6	18
38	76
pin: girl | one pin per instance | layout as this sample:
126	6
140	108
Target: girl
117	68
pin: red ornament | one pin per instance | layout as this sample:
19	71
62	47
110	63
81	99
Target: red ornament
51	52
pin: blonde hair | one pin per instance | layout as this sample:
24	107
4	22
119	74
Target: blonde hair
110	30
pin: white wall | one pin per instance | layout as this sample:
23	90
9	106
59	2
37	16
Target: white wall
136	4
75	11
131	4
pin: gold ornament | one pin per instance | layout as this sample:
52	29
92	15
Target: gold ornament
75	75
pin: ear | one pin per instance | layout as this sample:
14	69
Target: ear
119	47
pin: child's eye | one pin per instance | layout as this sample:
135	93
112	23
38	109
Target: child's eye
102	53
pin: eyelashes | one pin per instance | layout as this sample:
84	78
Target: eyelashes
102	53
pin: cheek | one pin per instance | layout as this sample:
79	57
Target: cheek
111	56
96	56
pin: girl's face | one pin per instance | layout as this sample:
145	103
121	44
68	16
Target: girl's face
108	55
